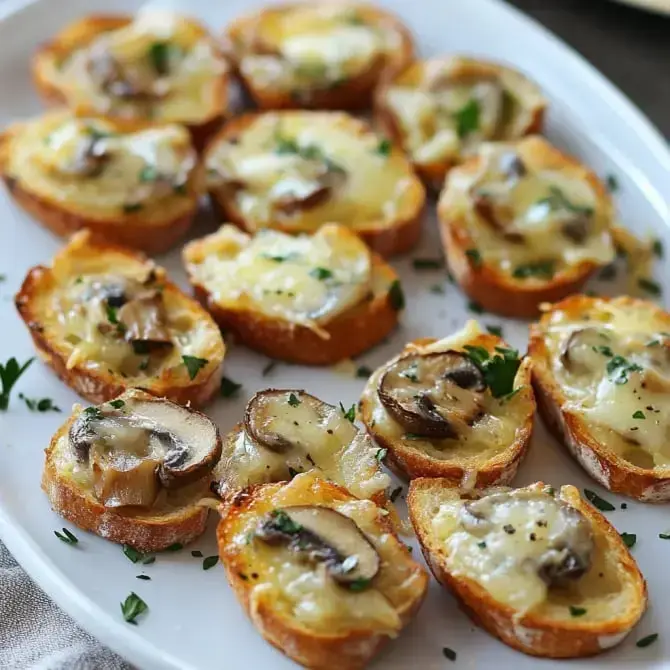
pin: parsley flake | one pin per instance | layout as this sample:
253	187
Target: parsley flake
598	502
396	296
321	274
540	269
359	584
475	307
427	263
619	368
495	330
209	562
577	611
294	401
475	257
384	148
41	405
116	404
639	415
229	388
159	55
349	414
194	365
132	607
467	118
9	375
499	370
657	248
363	371
449	653
629	539
66	536
612	183
557	200
646	641
650	286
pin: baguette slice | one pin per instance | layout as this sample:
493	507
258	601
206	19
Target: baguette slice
124	199
176	516
295	605
483	454
499	254
335	72
295	171
557	627
615	429
411	106
74	335
198	100
262	300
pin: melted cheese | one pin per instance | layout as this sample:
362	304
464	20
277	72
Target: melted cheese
304	280
367	189
623	400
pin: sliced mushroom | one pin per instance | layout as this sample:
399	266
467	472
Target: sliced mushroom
577	228
586	350
435	394
293	195
145	320
323	535
138	443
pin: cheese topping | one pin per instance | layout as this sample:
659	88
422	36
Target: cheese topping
530	217
612	362
305	280
159	66
446	108
303	169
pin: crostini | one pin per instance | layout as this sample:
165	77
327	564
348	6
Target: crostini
321	574
540	569
440	110
132	470
107	319
460	408
130	182
601	372
523	224
286	432
155	65
295	171
323	55
308	299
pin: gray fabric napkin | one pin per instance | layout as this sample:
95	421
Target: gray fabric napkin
36	635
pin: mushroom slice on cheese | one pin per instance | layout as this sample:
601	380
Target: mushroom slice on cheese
442	109
601	370
286	432
156	65
524	224
297	170
310	299
326	55
133	183
134	470
107	319
460	408
539	568
319	571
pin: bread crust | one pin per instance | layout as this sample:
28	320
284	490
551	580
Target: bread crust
350	650
434	172
144	532
498	470
80	33
532	634
492	288
606	467
354	93
98	385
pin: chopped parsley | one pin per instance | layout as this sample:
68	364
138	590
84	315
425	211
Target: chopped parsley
209	562
363	371
540	269
467	118
619	368
639	415
93	413
284	523
629	539
359	584
646	641
293	400
271	365
475	307
132	607
194	365
146	578
558	200
349	414
612	183
495	330
66	536
279	258
474	256
9	375
381	454
650	286
148	173
598	502
577	611
176	546
116	404
159	55
481	545
229	388
384	148
604	350
132	554
499	370
41	405
196	553
427	263
449	653
396	296
411	373
657	248
395	493
664	536
321	274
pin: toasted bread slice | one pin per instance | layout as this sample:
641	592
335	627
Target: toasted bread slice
440	110
107	319
295	171
580	607
313	300
130	182
297	606
486	443
286	432
86	488
524	224
156	65
326	55
601	373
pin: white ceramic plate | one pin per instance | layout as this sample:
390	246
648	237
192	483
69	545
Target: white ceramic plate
194	621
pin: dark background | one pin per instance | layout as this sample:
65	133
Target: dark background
629	46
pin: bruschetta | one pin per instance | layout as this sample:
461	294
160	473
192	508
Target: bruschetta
286	432
522	224
107	319
155	65
321	55
321	574
294	171
441	109
308	299
601	372
130	182
538	568
133	470
460	408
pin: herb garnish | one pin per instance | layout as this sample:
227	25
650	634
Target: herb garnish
66	536
612	183
229	388
359	584
449	653
194	365
499	370
629	539
279	258
475	307
657	248
132	607
321	273
41	405
639	415
293	400
495	330
646	641
116	404
467	118
541	269
664	536
269	368
381	454
132	554
363	371
598	502
9	375
396	296
577	611
619	368
176	546
384	147
412	436
427	263
284	523
349	414
93	413
143	577
159	55
474	256
209	562
558	200
650	286
196	553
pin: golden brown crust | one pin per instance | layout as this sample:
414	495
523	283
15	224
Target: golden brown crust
350	650
493	289
606	467
354	93
532	634
496	471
